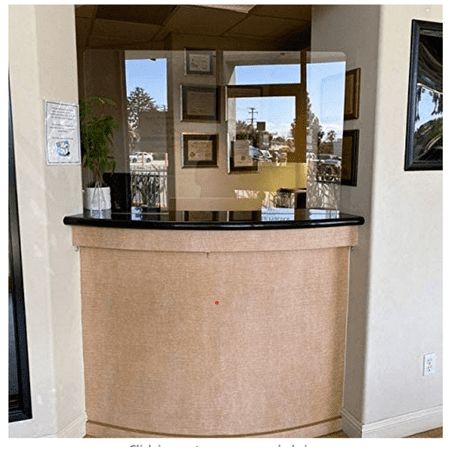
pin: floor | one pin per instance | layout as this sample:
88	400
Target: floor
436	433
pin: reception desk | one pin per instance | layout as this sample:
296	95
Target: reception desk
214	324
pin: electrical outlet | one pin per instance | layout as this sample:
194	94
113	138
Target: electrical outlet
429	364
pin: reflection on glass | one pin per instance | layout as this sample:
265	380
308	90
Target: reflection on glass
261	67
325	107
262	128
429	100
147	110
266	74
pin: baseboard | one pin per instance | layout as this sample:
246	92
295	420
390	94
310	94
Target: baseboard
75	429
399	426
351	426
317	429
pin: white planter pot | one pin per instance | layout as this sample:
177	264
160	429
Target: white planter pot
97	199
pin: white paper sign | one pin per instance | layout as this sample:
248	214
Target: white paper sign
62	133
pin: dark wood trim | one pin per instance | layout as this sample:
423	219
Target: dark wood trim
352	76
354	135
263	90
19	406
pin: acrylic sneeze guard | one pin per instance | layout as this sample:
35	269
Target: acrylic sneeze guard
233	132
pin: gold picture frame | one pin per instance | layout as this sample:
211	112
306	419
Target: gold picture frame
352	91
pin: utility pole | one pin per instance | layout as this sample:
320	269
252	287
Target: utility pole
252	111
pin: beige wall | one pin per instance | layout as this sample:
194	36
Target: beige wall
395	306
406	279
42	65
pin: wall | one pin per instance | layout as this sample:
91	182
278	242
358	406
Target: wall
42	65
395	306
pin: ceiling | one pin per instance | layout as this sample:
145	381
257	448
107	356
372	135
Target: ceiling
148	26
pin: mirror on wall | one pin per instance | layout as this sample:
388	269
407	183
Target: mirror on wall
425	103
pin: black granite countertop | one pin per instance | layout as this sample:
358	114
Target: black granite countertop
218	220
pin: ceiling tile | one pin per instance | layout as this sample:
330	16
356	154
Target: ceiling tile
86	11
198	20
267	27
298	12
124	30
153	14
116	42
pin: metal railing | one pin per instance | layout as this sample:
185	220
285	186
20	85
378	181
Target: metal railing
149	188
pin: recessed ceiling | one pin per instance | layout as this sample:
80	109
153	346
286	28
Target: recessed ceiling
146	26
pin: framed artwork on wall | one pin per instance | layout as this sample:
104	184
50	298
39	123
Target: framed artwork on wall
425	98
199	150
349	170
352	87
239	157
200	103
199	62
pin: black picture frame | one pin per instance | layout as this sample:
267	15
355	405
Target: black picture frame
350	146
423	140
205	64
192	143
200	103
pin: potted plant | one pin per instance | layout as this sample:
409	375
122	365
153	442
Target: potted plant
96	132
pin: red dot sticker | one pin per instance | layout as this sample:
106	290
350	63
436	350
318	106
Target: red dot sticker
216	302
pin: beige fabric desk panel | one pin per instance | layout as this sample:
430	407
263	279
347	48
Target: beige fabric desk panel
162	358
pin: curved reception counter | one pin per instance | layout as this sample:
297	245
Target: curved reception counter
214	324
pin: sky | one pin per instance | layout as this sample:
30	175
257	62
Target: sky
325	88
150	75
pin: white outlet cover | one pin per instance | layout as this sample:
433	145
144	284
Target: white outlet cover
429	364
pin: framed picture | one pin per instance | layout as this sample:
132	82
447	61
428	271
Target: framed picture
425	98
200	150
240	159
350	144
200	103
199	62
352	86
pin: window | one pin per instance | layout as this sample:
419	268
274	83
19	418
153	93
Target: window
147	110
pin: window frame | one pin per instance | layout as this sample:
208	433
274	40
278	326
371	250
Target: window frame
20	405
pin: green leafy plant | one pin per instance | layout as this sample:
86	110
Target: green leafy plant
96	131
